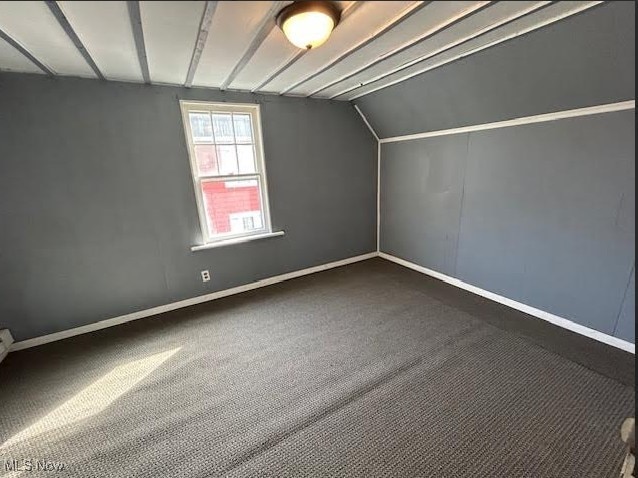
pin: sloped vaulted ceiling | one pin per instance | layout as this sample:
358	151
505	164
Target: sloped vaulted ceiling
237	46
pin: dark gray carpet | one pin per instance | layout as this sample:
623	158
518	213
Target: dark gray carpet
369	370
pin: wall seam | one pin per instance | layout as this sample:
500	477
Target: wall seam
378	196
376	136
624	297
458	229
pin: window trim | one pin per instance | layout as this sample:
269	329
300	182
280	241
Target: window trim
237	240
188	106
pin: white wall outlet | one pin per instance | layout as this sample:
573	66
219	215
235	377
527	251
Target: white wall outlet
205	276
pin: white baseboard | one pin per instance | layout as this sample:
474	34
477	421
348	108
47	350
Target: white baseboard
6	340
103	324
541	314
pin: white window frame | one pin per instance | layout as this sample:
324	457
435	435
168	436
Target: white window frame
260	175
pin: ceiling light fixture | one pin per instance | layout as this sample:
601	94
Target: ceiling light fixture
308	24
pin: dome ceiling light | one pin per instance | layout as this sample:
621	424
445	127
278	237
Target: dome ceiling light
308	24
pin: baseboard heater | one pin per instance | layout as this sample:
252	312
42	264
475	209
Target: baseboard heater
5	343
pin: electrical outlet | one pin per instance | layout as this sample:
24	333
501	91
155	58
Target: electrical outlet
205	276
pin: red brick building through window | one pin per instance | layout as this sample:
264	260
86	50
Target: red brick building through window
232	206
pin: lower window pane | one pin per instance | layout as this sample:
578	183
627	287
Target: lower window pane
233	206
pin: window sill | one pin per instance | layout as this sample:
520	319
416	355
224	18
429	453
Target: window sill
236	240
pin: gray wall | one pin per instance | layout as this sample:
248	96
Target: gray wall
543	213
98	213
587	59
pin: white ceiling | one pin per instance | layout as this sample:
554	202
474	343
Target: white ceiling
237	46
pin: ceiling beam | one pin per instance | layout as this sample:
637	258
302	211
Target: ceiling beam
263	30
138	35
415	41
404	15
344	15
66	26
204	28
14	43
274	75
509	19
579	8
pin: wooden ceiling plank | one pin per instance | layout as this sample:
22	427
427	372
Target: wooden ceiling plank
344	15
415	41
264	29
66	26
384	29
138	36
570	12
15	44
204	28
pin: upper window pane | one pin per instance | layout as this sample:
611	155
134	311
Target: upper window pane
246	158
232	133
223	127
206	157
243	128
201	127
227	157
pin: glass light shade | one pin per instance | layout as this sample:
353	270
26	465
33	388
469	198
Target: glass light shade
308	29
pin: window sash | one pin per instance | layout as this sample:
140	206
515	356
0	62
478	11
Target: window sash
245	177
199	178
216	142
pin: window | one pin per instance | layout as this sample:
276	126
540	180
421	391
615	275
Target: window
227	162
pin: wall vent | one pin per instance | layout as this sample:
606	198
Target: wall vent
5	343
